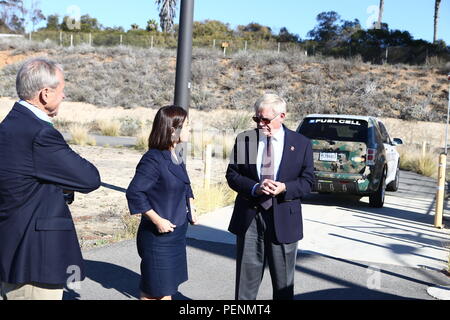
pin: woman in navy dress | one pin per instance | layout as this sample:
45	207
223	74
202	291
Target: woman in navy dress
162	193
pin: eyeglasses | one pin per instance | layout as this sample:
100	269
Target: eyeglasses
264	120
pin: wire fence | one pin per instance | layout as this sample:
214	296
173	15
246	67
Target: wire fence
158	40
374	54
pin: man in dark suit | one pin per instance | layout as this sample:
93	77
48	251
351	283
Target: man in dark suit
39	249
271	170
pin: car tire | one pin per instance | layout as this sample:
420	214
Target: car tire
394	185
376	200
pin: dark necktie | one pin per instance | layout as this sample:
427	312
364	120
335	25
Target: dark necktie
267	172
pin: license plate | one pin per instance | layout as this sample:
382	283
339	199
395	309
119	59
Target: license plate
332	157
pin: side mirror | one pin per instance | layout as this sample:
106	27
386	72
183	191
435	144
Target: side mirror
398	142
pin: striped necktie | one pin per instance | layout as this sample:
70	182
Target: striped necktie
267	172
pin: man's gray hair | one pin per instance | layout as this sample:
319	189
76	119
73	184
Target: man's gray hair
35	75
273	101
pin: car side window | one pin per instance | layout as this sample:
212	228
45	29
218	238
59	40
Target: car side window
376	130
384	134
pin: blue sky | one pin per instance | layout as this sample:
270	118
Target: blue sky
299	16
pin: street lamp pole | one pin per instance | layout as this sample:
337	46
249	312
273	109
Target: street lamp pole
184	55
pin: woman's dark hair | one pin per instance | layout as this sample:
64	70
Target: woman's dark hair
167	121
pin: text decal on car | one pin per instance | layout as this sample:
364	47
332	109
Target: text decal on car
338	121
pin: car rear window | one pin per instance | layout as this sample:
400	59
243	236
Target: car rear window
334	129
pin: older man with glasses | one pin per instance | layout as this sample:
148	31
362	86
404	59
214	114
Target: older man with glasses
271	169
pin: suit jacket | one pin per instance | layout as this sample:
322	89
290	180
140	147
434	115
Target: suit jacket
38	241
161	185
296	171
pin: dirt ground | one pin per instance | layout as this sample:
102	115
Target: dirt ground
99	215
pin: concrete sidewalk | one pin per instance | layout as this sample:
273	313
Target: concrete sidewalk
113	274
400	234
350	251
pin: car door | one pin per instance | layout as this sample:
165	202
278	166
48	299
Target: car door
391	153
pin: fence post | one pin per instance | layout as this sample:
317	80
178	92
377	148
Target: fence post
246	46
214	43
438	218
61	39
208	162
30	35
151	43
71	40
90	39
225	145
424	149
193	140
279	47
121	40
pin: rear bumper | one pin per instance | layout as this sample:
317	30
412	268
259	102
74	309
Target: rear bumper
341	183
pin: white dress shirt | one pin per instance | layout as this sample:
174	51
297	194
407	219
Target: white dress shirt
278	148
38	112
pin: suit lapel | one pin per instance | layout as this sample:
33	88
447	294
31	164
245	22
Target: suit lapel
253	157
287	153
177	170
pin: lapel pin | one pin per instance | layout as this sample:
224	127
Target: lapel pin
292	148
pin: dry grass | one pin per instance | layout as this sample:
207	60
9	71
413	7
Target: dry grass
132	78
142	140
130	225
222	142
110	128
416	132
80	136
413	159
215	197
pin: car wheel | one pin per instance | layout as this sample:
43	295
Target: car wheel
376	200
393	186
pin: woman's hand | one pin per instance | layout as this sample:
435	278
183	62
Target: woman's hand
163	225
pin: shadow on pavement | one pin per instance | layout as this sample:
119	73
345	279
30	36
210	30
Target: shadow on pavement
348	288
353	204
355	293
110	276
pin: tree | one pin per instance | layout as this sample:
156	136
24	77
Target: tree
380	15
255	31
347	30
53	22
212	28
167	13
12	15
328	27
87	24
285	36
437	7
35	14
152	25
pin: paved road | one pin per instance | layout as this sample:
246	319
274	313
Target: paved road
350	251
108	141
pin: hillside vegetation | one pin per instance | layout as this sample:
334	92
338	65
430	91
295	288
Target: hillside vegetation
133	77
